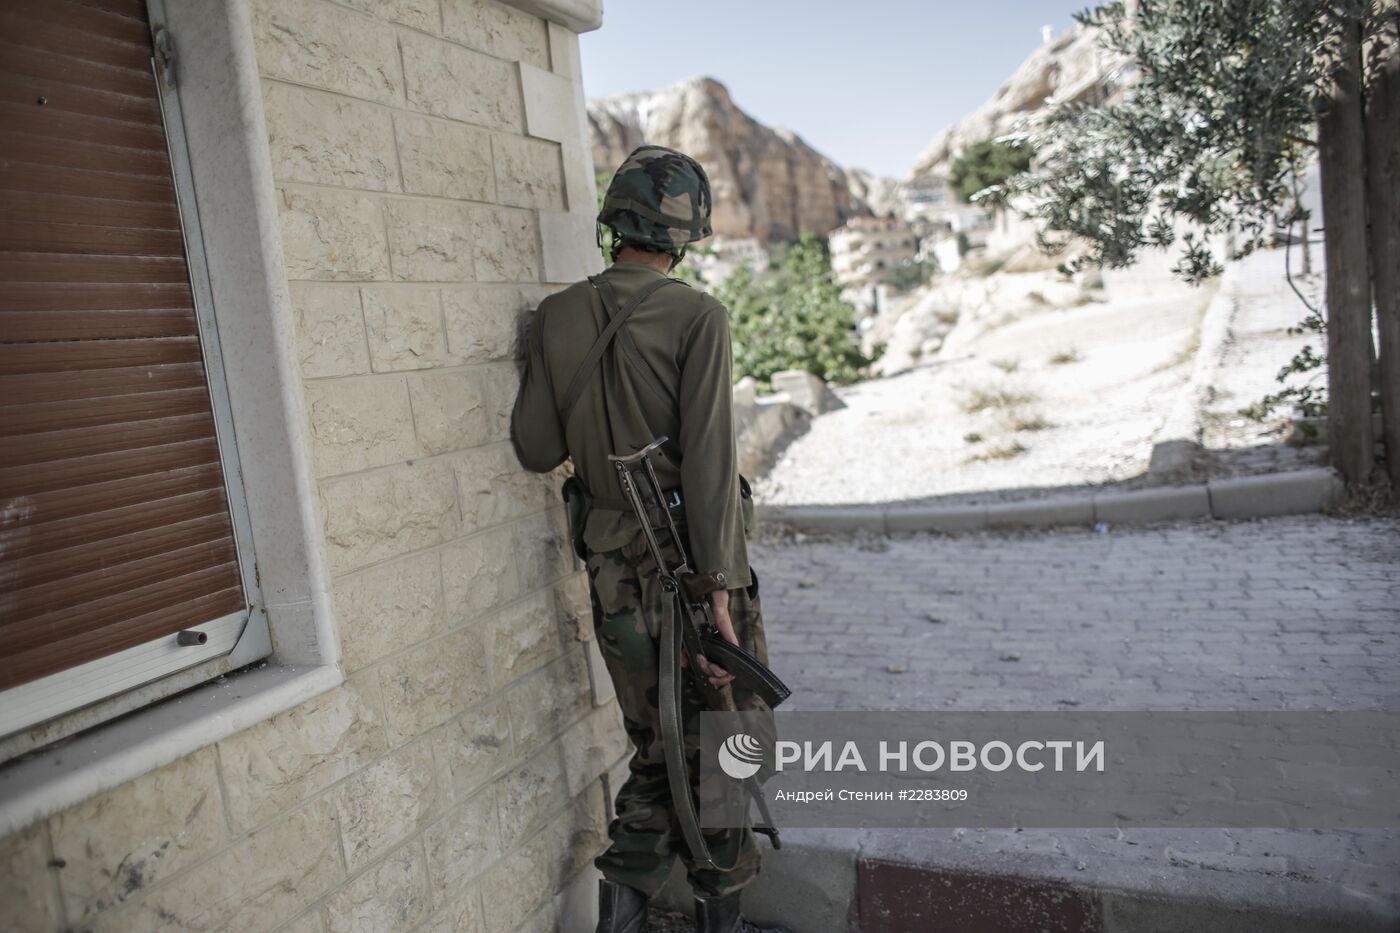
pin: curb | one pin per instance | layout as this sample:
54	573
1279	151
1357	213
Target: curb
824	881
1295	493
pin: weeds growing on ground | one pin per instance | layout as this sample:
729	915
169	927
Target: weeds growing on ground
1029	421
999	398
1003	451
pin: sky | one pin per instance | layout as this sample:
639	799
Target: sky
866	83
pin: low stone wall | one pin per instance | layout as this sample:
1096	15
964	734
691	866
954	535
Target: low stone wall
765	425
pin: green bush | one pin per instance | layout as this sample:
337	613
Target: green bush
987	165
792	316
912	273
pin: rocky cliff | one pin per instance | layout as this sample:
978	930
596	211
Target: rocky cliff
1069	68
767	183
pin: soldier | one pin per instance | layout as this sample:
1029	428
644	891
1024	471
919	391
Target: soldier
666	373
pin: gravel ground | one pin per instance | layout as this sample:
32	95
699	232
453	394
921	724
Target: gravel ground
1056	400
1258	346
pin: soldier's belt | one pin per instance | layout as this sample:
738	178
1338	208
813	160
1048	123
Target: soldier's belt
690	632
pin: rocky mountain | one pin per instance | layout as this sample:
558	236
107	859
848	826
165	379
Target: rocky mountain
1069	68
767	183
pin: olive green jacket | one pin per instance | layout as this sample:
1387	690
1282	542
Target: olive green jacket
683	336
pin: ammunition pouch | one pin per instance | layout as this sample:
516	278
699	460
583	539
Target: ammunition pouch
576	502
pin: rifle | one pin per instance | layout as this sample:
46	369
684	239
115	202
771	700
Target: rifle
690	632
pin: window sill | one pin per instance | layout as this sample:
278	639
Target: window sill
59	776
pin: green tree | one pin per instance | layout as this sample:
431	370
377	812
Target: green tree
1234	99
792	316
984	168
911	273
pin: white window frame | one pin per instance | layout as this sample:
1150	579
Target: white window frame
111	686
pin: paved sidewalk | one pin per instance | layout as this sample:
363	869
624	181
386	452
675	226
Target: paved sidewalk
1287	613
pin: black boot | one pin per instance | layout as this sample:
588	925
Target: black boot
620	909
721	915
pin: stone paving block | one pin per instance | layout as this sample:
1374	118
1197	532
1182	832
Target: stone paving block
386	513
529	172
564	57
327	139
309	922
120	842
359	423
543	703
494	488
573	606
333	235
449	411
26	889
529	795
315	43
279	762
404	324
567	250
461	844
497	29
444	159
433	683
553	105
388	608
460	911
472	749
430	241
486	322
505	244
532	874
392	895
600	680
524	636
387	802
446	80
330	330
261	882
479	574
543	550
1274	494
1143	506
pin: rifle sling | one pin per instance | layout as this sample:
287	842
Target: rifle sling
616	318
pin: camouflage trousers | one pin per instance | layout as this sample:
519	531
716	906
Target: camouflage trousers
629	608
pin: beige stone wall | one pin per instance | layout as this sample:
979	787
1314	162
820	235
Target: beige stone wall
434	183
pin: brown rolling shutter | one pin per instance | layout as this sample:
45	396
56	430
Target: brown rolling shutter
114	517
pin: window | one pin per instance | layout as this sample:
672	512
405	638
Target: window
126	554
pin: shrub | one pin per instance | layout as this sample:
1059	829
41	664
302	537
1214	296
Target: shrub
792	316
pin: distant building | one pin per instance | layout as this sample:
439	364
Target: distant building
867	250
718	259
930	203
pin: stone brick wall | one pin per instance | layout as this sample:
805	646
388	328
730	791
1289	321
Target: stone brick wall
434	183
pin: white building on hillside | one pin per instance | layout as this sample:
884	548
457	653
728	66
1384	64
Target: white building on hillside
867	250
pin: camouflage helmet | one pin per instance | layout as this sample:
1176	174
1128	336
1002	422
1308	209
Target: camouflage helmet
658	198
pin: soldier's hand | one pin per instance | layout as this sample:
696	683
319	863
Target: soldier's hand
719	612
